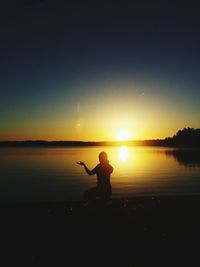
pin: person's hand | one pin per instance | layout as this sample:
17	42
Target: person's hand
80	163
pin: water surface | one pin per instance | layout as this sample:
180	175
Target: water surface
51	174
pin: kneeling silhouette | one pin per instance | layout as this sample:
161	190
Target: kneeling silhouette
103	170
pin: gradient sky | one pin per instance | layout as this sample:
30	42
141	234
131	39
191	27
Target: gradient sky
73	70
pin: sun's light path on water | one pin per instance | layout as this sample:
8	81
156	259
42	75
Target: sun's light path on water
123	153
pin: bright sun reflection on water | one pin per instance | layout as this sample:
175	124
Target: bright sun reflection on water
123	153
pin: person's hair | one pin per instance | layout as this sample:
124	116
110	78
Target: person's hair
103	157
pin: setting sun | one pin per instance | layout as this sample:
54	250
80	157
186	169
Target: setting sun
123	135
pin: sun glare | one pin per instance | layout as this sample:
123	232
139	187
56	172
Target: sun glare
123	153
123	135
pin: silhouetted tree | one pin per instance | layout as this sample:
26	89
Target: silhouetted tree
185	137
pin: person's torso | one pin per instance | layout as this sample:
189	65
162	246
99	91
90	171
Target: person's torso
103	174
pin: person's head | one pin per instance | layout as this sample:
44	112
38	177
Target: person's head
103	157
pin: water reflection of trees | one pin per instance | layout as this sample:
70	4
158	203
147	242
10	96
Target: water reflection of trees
186	157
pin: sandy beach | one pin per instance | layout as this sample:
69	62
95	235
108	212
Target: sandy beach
155	230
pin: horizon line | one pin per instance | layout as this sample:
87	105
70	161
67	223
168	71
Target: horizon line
85	141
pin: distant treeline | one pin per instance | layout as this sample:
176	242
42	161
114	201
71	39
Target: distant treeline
188	137
43	143
184	138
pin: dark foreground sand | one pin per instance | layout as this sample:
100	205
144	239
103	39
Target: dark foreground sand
148	231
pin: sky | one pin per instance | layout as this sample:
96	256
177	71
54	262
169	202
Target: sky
78	70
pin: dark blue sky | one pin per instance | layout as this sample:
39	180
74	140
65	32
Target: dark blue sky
57	55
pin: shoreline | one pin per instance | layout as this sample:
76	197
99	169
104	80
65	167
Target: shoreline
126	232
61	144
154	203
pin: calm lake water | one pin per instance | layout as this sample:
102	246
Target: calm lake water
51	174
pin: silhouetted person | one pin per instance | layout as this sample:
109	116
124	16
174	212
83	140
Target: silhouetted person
103	171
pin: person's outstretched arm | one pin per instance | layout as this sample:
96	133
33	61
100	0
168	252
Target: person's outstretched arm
89	172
